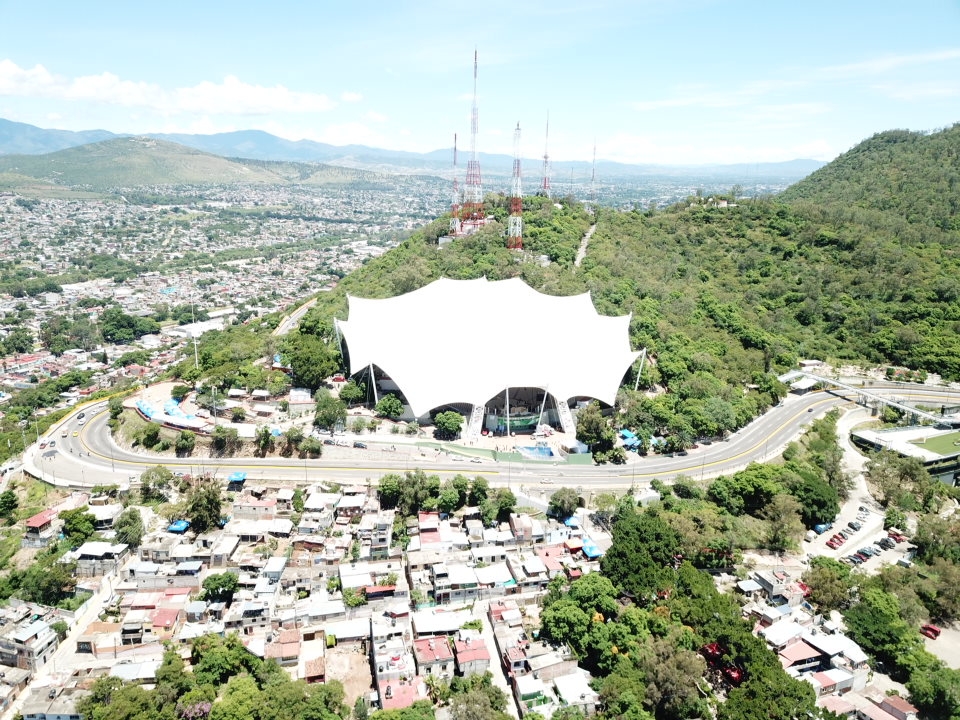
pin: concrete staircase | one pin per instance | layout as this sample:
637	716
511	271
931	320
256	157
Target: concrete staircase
475	423
566	417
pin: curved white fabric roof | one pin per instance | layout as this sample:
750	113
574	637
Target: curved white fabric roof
467	340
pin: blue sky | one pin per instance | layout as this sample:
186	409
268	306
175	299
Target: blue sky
657	81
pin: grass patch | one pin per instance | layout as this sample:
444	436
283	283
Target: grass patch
943	445
34	496
9	545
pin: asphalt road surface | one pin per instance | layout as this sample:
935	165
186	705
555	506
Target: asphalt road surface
91	457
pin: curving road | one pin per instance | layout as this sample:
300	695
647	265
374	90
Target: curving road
91	457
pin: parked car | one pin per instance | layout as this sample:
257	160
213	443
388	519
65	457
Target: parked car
329	441
822	528
931	631
832	544
359	445
854	525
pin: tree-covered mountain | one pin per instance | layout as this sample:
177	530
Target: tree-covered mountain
723	294
909	175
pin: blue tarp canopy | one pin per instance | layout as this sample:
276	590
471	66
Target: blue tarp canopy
237	477
591	550
627	435
179	526
572	521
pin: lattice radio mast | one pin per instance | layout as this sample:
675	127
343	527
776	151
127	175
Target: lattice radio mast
545	182
515	221
473	188
455	202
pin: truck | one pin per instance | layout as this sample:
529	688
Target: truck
822	528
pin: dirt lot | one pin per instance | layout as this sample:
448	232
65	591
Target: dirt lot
351	667
946	647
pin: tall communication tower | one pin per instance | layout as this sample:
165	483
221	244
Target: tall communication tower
455	201
545	182
515	221
473	188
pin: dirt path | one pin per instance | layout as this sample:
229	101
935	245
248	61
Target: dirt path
582	252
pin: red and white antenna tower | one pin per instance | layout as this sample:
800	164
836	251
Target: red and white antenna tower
545	183
473	188
455	201
515	221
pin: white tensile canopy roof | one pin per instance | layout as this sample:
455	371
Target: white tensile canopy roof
467	340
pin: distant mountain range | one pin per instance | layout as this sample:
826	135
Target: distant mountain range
22	139
125	162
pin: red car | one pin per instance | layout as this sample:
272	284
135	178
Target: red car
931	631
832	544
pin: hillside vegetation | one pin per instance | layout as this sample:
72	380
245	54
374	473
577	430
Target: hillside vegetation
730	292
138	161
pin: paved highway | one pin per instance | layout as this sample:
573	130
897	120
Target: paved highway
91	458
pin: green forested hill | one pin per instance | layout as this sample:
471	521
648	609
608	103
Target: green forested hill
914	176
725	296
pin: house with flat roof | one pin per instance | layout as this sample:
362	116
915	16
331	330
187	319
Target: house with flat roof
28	644
433	656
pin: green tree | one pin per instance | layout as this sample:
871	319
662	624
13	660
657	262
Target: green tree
203	507
352	393
644	550
179	392
818	500
329	411
563	503
78	525
311	359
829	583
594	430
875	623
784	527
220	587
8	505
186	442
224	440
358	425
311	447
154	483
389	407
129	527
448	424
293	436
238	415
115	405
263	440
61	629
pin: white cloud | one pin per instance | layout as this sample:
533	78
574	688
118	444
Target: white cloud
887	63
717	95
236	97
375	117
351	97
15	80
920	91
232	96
